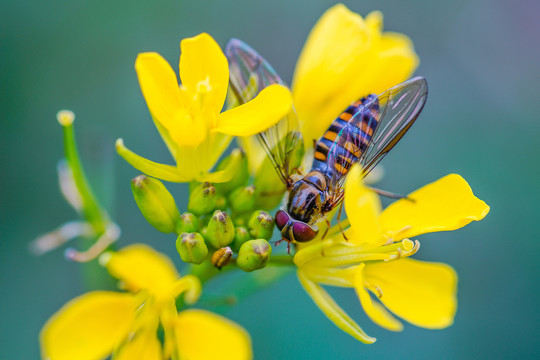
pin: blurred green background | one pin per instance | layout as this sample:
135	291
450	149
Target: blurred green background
481	59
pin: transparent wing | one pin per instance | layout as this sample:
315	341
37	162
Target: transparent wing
249	74
380	122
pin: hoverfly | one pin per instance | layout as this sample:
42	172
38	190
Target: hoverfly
364	133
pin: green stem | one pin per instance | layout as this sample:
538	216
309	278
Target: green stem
91	208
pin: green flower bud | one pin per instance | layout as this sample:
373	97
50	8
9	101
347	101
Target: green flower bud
241	235
191	248
220	230
261	225
202	199
243	199
188	223
156	203
222	257
221	201
254	255
237	163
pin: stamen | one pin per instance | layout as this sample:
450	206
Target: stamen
374	288
63	234
111	234
65	117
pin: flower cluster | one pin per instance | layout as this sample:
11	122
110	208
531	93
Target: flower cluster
227	224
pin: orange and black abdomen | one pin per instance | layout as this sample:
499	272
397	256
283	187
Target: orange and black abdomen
346	139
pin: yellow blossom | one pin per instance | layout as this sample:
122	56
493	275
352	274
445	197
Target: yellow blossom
125	324
188	116
344	58
374	258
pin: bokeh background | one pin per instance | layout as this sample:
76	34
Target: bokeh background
481	59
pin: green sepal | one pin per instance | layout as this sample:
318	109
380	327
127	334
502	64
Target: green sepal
241	235
192	248
188	223
202	199
156	203
220	230
261	225
237	161
243	199
254	255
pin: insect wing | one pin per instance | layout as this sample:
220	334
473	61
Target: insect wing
249	74
399	107
377	126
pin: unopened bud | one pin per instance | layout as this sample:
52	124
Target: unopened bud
243	199
254	255
191	248
236	163
220	230
261	225
202	199
222	257
156	203
188	223
241	235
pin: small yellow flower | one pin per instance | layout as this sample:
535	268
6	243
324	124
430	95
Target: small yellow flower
188	116
100	323
346	57
375	257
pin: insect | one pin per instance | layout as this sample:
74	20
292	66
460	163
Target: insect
364	133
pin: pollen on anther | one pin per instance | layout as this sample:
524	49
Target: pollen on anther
65	117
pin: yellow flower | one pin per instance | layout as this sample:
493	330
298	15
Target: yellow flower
375	257
188	116
346	57
100	323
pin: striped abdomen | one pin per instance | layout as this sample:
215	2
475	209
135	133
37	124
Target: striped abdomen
347	138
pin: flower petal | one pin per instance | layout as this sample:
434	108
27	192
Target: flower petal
446	204
377	313
332	310
363	208
271	105
203	335
340	63
145	346
165	101
204	70
160	171
88	327
142	268
420	292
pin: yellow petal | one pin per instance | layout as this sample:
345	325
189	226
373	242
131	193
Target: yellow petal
332	310
421	293
142	268
160	171
160	89
377	313
271	105
145	346
195	162
446	204
342	61
204	70
89	326
363	207
203	335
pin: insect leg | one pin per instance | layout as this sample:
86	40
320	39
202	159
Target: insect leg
389	194
327	227
339	222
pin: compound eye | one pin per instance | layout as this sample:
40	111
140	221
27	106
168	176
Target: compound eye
303	232
282	218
